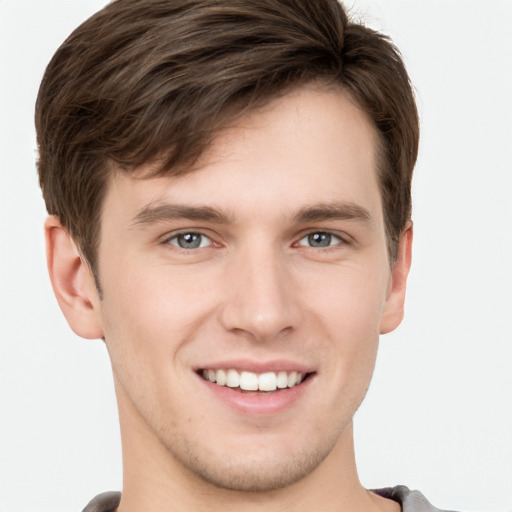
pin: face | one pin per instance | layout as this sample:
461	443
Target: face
242	302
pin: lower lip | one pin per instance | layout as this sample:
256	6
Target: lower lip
258	405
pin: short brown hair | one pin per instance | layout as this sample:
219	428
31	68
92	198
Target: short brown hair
156	79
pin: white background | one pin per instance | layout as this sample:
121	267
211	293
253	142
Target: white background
438	416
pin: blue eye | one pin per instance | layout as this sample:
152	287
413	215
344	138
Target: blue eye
320	239
190	240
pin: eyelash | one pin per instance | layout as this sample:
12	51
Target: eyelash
329	234
173	240
169	240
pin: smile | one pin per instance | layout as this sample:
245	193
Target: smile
250	381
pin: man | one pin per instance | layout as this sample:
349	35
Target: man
228	185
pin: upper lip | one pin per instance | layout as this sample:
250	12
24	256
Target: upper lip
248	365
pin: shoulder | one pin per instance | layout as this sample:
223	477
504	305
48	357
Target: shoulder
105	502
411	501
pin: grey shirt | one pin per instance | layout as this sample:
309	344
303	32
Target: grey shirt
410	501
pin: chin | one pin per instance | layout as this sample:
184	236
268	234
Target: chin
257	475
260	470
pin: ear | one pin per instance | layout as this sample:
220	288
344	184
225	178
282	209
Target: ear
72	281
394	305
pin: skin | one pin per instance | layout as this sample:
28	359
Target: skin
255	291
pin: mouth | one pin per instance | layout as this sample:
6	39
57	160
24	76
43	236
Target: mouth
254	383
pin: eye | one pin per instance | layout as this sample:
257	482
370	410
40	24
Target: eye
189	240
320	239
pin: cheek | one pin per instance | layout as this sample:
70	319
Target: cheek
348	313
148	315
147	322
350	298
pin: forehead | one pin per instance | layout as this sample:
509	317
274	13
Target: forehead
311	145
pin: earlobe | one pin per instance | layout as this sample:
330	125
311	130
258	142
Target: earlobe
72	281
394	305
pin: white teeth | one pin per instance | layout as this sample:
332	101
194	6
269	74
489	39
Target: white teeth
267	381
292	379
250	381
282	380
221	377
232	379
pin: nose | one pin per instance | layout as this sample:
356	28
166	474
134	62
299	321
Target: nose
262	300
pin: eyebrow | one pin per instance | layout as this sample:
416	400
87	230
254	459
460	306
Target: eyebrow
160	212
153	213
333	211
